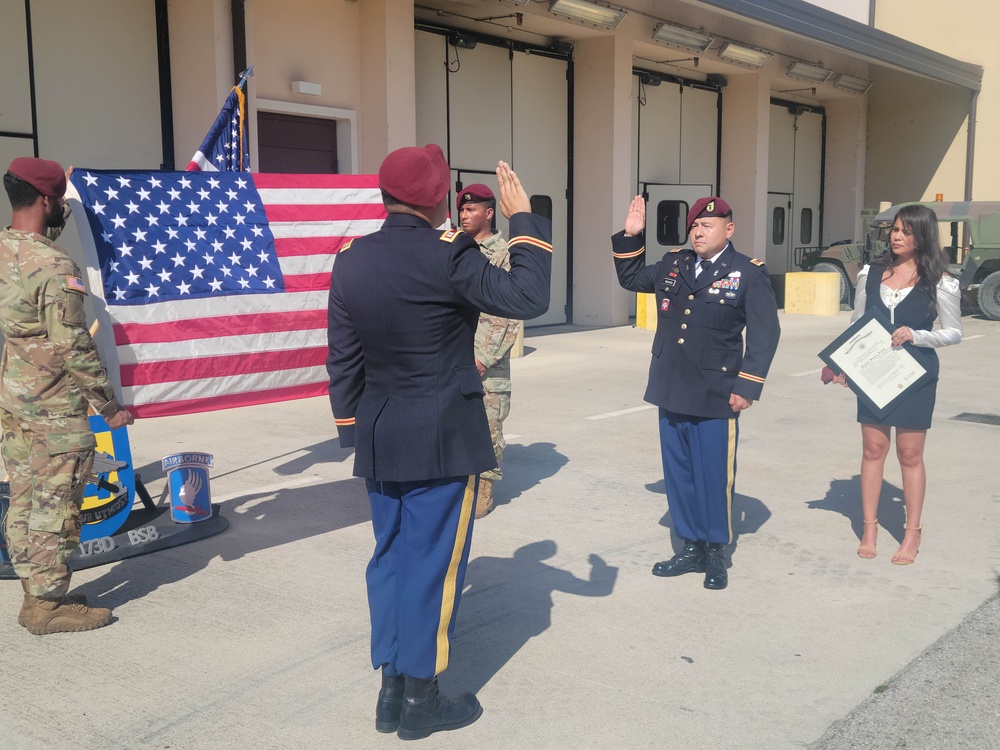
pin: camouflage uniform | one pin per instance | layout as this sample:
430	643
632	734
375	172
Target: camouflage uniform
494	339
49	372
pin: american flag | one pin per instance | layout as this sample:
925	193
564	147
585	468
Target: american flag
226	148
213	285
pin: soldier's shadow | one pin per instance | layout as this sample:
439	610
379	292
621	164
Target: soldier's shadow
524	466
844	497
507	602
749	515
257	521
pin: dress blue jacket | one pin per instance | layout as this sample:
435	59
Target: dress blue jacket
699	357
404	306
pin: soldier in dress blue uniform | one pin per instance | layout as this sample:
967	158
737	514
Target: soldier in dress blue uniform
703	373
406	394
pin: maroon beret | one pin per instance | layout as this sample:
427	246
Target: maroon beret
417	176
45	176
711	206
477	193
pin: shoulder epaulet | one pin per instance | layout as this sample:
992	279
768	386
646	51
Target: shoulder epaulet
756	262
347	245
677	249
449	235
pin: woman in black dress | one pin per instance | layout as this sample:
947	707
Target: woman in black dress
910	287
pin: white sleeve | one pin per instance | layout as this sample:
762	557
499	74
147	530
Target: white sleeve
859	293
949	303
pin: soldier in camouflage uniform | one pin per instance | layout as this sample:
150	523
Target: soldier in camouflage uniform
494	336
49	372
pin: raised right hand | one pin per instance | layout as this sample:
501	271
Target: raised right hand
513	198
635	221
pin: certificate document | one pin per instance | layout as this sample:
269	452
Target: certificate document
876	371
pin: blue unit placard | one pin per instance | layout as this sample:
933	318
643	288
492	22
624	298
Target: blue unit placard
108	496
190	494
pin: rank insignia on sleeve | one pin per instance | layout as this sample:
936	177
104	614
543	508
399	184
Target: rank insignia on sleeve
756	262
449	235
75	284
347	245
676	249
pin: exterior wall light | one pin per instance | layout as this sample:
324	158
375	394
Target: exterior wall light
806	72
678	36
854	85
580	10
748	56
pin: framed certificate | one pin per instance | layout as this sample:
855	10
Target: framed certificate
879	373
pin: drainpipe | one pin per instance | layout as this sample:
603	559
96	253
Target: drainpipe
970	150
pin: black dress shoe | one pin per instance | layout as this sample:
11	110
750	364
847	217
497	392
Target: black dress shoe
426	711
716	576
689	560
390	703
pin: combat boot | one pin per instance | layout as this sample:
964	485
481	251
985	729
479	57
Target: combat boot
390	703
426	711
74	598
47	616
484	499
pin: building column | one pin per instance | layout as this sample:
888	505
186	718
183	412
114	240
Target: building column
201	69
746	117
602	187
846	152
387	118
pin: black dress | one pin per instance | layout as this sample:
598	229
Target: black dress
913	412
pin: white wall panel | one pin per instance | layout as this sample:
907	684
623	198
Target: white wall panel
431	84
97	84
699	137
480	107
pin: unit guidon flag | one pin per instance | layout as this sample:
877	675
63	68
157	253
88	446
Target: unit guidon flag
211	287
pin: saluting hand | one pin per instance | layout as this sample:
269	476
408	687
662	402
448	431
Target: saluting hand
635	222
513	198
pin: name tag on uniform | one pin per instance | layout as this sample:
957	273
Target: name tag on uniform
669	282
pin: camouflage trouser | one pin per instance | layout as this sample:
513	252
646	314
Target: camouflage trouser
497	408
48	463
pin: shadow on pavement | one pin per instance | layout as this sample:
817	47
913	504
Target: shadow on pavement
257	522
508	601
524	466
749	515
844	497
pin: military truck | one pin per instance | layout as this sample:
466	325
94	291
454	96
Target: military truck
845	258
976	266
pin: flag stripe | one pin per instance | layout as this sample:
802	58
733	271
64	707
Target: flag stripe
265	181
218	307
228	401
294	246
248	344
218	327
295	265
312	282
343	212
224	386
220	366
282	230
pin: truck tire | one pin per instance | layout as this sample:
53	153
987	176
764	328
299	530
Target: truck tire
845	284
989	296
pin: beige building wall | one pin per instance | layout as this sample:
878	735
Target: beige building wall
963	30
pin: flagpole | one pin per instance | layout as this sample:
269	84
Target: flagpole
248	73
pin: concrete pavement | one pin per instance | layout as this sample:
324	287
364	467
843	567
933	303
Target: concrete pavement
259	637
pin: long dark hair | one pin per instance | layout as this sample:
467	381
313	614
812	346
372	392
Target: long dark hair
931	259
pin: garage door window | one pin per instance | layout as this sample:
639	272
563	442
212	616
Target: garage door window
670	217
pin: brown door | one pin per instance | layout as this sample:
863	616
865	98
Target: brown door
290	144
